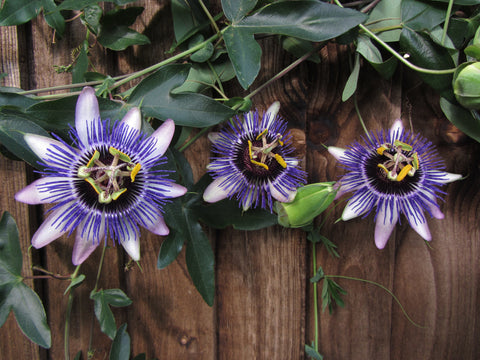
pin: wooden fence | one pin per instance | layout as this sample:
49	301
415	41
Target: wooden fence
264	305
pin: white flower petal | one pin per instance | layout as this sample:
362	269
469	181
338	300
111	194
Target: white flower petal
271	113
133	118
48	231
175	190
433	207
279	196
87	113
385	223
250	198
157	225
336	152
350	213
449	177
213	137
418	222
43	147
396	129
132	244
86	242
163	135
34	195
214	192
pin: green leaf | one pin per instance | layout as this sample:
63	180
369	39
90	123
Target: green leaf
16	12
102	301
10	252
115	33
467	121
53	17
369	51
200	259
81	4
244	53
92	15
227	212
155	98
473	51
12	99
310	351
462	2
188	19
309	20
318	276
386	14
235	10
331	294
13	126
352	80
74	283
120	349
30	314
425	53
81	65
5	305
170	249
418	15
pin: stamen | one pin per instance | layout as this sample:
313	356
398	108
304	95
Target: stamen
259	136
134	172
117	194
94	157
403	145
281	161
104	198
250	149
122	156
381	166
265	166
416	162
95	186
381	150
404	172
83	172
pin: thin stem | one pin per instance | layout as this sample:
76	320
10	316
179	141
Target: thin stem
447	21
284	71
99	271
383	288
400	57
193	139
167	61
212	20
315	294
360	118
66	340
66	87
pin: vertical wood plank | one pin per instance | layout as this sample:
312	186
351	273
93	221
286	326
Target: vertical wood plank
13	177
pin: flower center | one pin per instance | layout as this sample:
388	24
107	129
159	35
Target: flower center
260	153
109	180
400	160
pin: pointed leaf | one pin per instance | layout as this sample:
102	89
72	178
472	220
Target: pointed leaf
310	351
244	53
467	121
102	301
53	17
16	12
17	100
169	249
236	9
307	19
10	252
120	349
352	80
30	314
200	260
153	95
419	15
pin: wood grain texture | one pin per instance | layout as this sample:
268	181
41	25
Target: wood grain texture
264	303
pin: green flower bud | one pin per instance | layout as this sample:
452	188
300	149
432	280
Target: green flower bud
466	85
310	201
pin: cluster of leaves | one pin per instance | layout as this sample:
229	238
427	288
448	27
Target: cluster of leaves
432	36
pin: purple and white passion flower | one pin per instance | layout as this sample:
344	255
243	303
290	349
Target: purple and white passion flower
253	161
108	185
396	172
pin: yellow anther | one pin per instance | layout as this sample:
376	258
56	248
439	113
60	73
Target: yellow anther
404	172
404	146
250	149
134	172
280	161
416	162
117	194
94	184
280	142
381	149
265	166
122	156
381	166
259	136
94	157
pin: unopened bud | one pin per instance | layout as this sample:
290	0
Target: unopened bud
466	85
